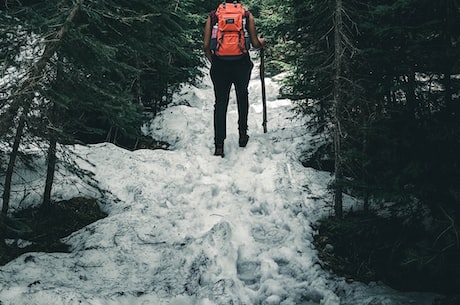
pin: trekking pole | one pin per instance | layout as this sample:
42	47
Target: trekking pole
264	99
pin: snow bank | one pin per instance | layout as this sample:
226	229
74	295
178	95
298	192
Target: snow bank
190	228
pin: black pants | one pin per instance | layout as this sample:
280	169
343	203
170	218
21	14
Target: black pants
224	73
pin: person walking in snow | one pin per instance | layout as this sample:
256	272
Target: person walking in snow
228	34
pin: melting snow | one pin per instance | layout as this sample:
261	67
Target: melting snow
189	228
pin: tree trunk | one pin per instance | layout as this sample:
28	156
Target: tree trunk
52	159
411	98
364	168
448	37
9	173
26	94
338	196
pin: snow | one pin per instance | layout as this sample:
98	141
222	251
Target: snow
188	228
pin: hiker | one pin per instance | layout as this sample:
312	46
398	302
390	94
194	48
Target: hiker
230	64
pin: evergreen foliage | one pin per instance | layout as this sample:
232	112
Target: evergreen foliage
274	20
116	57
401	108
90	77
86	70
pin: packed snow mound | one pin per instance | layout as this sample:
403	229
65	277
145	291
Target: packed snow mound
189	228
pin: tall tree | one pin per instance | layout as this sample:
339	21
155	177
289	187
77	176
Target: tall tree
338	104
390	108
85	57
24	98
322	82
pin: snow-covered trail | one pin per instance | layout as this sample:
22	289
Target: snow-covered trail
190	228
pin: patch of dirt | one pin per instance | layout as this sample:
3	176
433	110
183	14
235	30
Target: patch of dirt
39	229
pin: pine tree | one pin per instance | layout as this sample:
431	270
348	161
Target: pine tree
405	52
85	59
398	110
275	23
322	82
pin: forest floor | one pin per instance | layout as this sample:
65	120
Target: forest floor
44	229
186	227
368	248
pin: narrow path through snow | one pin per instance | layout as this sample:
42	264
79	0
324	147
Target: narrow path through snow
191	228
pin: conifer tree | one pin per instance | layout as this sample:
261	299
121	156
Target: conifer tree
85	59
322	82
398	112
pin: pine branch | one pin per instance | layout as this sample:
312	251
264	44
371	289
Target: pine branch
34	76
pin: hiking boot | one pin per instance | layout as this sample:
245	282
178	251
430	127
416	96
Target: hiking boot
244	138
219	151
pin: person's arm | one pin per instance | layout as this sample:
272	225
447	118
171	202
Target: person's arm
207	39
256	42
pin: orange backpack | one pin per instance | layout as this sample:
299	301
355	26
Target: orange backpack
229	37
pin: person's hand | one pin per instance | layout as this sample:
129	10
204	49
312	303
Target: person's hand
208	55
263	42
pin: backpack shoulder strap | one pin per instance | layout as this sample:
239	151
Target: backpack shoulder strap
246	16
213	16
